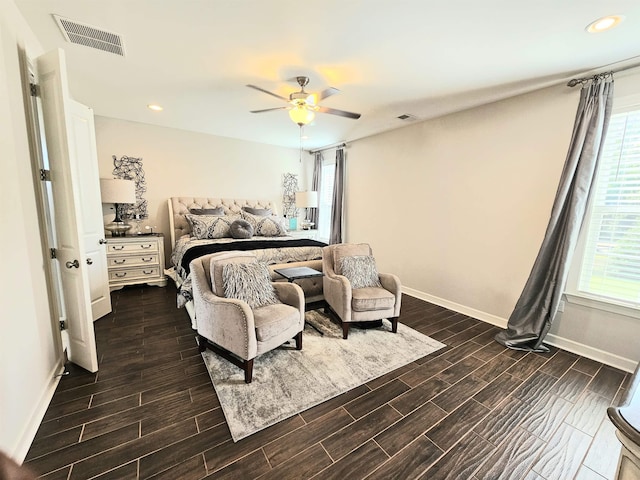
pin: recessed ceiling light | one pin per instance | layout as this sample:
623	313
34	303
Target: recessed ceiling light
604	23
154	107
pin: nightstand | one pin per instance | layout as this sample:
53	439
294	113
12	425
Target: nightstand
136	259
310	234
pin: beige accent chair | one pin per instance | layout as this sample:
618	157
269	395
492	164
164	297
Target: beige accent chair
230	327
361	304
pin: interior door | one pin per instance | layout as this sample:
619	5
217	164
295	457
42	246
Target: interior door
95	259
56	109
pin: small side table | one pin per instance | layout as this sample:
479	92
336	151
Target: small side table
297	273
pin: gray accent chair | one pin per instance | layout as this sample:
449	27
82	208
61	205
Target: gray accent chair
362	304
230	327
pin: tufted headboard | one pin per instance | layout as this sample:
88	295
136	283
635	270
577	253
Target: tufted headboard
179	206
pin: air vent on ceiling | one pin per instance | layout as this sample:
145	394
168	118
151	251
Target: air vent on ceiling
407	117
89	36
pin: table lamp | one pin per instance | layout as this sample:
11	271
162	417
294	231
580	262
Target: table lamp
307	200
117	191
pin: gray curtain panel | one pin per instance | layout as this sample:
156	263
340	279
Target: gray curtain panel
338	199
315	185
537	306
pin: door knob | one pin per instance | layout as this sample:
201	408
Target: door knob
102	241
74	264
89	261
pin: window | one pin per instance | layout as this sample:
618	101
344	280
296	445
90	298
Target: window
609	254
326	200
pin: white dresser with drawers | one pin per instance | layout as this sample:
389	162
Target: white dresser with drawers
136	259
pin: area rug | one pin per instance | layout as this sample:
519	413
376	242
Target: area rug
287	381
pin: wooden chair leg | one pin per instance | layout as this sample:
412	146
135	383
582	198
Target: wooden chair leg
394	324
298	338
248	371
345	330
202	343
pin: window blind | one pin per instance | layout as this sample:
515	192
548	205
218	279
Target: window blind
611	264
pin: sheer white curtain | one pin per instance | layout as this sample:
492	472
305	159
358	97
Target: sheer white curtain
325	200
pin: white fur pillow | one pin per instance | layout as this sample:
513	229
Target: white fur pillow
249	282
360	270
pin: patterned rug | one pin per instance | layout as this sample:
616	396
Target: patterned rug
287	381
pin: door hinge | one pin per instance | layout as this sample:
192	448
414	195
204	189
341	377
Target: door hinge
33	88
54	253
45	175
63	326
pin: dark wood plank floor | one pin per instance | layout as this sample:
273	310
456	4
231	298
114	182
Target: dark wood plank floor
473	410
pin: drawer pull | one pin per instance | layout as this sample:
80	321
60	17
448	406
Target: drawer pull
117	247
120	262
146	259
121	274
147	272
146	246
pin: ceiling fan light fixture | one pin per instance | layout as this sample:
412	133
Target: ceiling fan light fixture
301	115
604	23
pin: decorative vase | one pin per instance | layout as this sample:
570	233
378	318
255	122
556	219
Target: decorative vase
293	223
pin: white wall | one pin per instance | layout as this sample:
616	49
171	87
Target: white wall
30	358
458	207
182	163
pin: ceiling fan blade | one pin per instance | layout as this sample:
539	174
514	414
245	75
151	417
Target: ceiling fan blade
342	113
327	93
268	109
268	92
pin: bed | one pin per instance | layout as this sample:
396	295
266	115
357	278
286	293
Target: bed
275	251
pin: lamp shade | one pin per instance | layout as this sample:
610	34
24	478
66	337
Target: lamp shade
307	199
117	191
301	114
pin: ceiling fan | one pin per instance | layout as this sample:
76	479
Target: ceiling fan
303	105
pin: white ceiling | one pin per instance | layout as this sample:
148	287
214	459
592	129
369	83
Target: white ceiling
388	58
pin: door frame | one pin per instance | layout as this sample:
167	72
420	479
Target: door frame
35	135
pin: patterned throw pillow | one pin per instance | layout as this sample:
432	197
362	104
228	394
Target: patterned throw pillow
249	282
360	270
269	226
210	226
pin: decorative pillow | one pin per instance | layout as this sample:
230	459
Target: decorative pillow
262	212
269	226
241	229
210	226
249	282
360	270
219	211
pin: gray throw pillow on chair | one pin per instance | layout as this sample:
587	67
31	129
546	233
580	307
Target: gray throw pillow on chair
249	282
360	270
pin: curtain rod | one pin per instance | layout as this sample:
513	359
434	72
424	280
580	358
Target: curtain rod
580	81
329	147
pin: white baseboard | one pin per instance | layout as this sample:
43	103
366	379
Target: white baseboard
29	432
596	354
581	349
456	307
